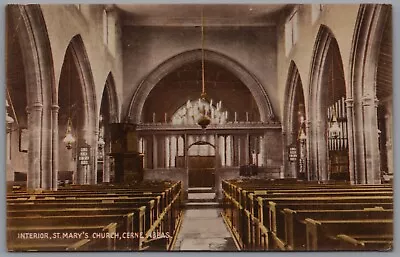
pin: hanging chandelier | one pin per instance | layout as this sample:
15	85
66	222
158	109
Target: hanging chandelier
204	119
334	129
69	139
101	141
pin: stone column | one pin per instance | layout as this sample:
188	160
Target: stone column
46	179
54	146
322	151
372	158
351	140
34	155
389	137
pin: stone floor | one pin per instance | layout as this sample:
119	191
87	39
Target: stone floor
204	230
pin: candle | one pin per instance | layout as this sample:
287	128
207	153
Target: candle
235	116
154	117
165	117
247	116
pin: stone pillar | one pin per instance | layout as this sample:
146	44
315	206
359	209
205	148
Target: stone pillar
350	138
322	151
54	146
46	179
389	137
372	158
34	155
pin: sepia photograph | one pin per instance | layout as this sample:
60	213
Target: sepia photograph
198	127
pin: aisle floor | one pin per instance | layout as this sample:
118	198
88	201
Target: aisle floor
204	230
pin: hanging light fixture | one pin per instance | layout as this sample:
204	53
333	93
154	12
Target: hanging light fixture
69	139
204	119
334	129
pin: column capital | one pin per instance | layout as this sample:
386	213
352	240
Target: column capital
369	100
349	102
36	106
55	108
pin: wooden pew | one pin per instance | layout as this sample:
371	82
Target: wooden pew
294	229
321	234
365	242
43	207
244	212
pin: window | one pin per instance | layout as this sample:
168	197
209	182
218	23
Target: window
291	32
316	10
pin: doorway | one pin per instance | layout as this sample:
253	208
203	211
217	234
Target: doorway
201	165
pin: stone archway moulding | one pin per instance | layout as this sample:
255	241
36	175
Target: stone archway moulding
112	98
89	129
292	83
42	99
361	101
317	152
144	88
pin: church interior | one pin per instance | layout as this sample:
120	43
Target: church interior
240	127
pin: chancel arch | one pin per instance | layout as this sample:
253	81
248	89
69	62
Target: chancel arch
135	110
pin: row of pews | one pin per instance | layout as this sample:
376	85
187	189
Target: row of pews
143	216
290	215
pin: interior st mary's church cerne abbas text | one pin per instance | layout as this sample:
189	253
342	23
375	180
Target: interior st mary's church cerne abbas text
192	127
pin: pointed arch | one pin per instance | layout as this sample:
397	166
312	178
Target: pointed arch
142	91
361	90
111	93
294	96
42	105
317	146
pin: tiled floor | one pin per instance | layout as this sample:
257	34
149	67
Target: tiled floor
204	230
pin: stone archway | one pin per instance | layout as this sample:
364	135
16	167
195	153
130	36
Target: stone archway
143	90
85	125
326	60
362	102
42	105
109	114
293	109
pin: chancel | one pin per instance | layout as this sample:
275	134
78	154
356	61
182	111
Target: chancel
224	127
